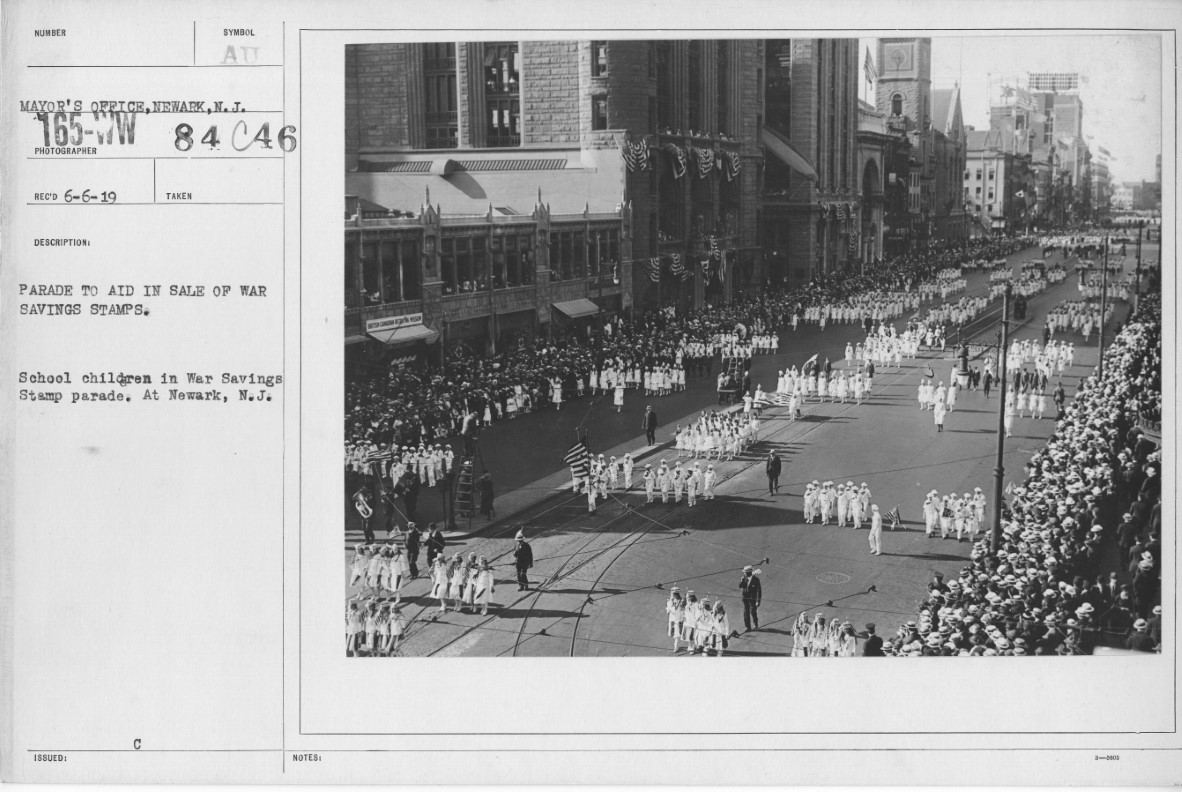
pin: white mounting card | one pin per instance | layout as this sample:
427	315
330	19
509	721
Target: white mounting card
178	534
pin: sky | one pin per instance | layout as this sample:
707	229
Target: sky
1120	85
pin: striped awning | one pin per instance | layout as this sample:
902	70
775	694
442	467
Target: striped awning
405	335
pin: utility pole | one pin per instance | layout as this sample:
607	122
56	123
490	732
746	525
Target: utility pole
999	470
1103	308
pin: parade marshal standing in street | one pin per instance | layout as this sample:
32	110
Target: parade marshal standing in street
413	540
773	472
649	425
435	543
752	596
523	559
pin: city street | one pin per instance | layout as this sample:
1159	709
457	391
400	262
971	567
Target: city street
522	451
602	580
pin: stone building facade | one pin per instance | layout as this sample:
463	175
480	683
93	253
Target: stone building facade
811	206
657	139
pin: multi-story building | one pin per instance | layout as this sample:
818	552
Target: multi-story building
935	127
812	198
999	184
883	154
508	187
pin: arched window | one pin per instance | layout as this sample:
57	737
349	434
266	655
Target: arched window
897	104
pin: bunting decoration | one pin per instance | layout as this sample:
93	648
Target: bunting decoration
636	155
722	267
679	159
853	241
712	245
677	268
654	269
841	211
731	164
705	160
706	270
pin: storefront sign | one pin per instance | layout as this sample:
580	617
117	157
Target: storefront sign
393	322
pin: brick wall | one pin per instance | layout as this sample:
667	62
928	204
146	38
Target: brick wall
352	109
549	92
380	102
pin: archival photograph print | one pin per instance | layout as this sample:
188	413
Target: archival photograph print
800	347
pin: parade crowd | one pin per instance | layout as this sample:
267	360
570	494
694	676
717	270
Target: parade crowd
1053	586
653	353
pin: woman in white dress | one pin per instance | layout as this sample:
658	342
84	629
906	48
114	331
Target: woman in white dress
457	576
484	586
1020	403
556	393
596	378
354	626
722	629
923	393
395	628
360	562
618	398
440	577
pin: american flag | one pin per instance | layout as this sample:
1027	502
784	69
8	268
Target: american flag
576	458
777	399
896	519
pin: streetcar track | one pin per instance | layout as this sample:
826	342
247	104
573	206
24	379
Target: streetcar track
771	411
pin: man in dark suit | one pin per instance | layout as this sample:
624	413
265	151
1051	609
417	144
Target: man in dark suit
413	541
872	645
773	472
752	596
649	425
523	559
435	543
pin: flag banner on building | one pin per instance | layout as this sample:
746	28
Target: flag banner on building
679	159
731	164
868	68
576	459
654	269
676	267
722	268
636	155
706	270
705	160
853	242
841	211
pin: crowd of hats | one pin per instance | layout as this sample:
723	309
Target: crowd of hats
387	404
1060	529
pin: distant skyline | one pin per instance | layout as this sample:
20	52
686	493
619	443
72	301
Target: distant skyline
1120	85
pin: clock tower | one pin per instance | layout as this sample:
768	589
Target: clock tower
905	80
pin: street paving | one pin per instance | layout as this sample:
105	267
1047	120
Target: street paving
601	580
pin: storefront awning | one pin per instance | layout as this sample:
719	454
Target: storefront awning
354	339
786	153
405	335
577	308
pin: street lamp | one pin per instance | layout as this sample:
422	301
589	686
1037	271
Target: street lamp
999	470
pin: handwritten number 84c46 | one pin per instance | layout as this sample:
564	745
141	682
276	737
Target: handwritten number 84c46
240	137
